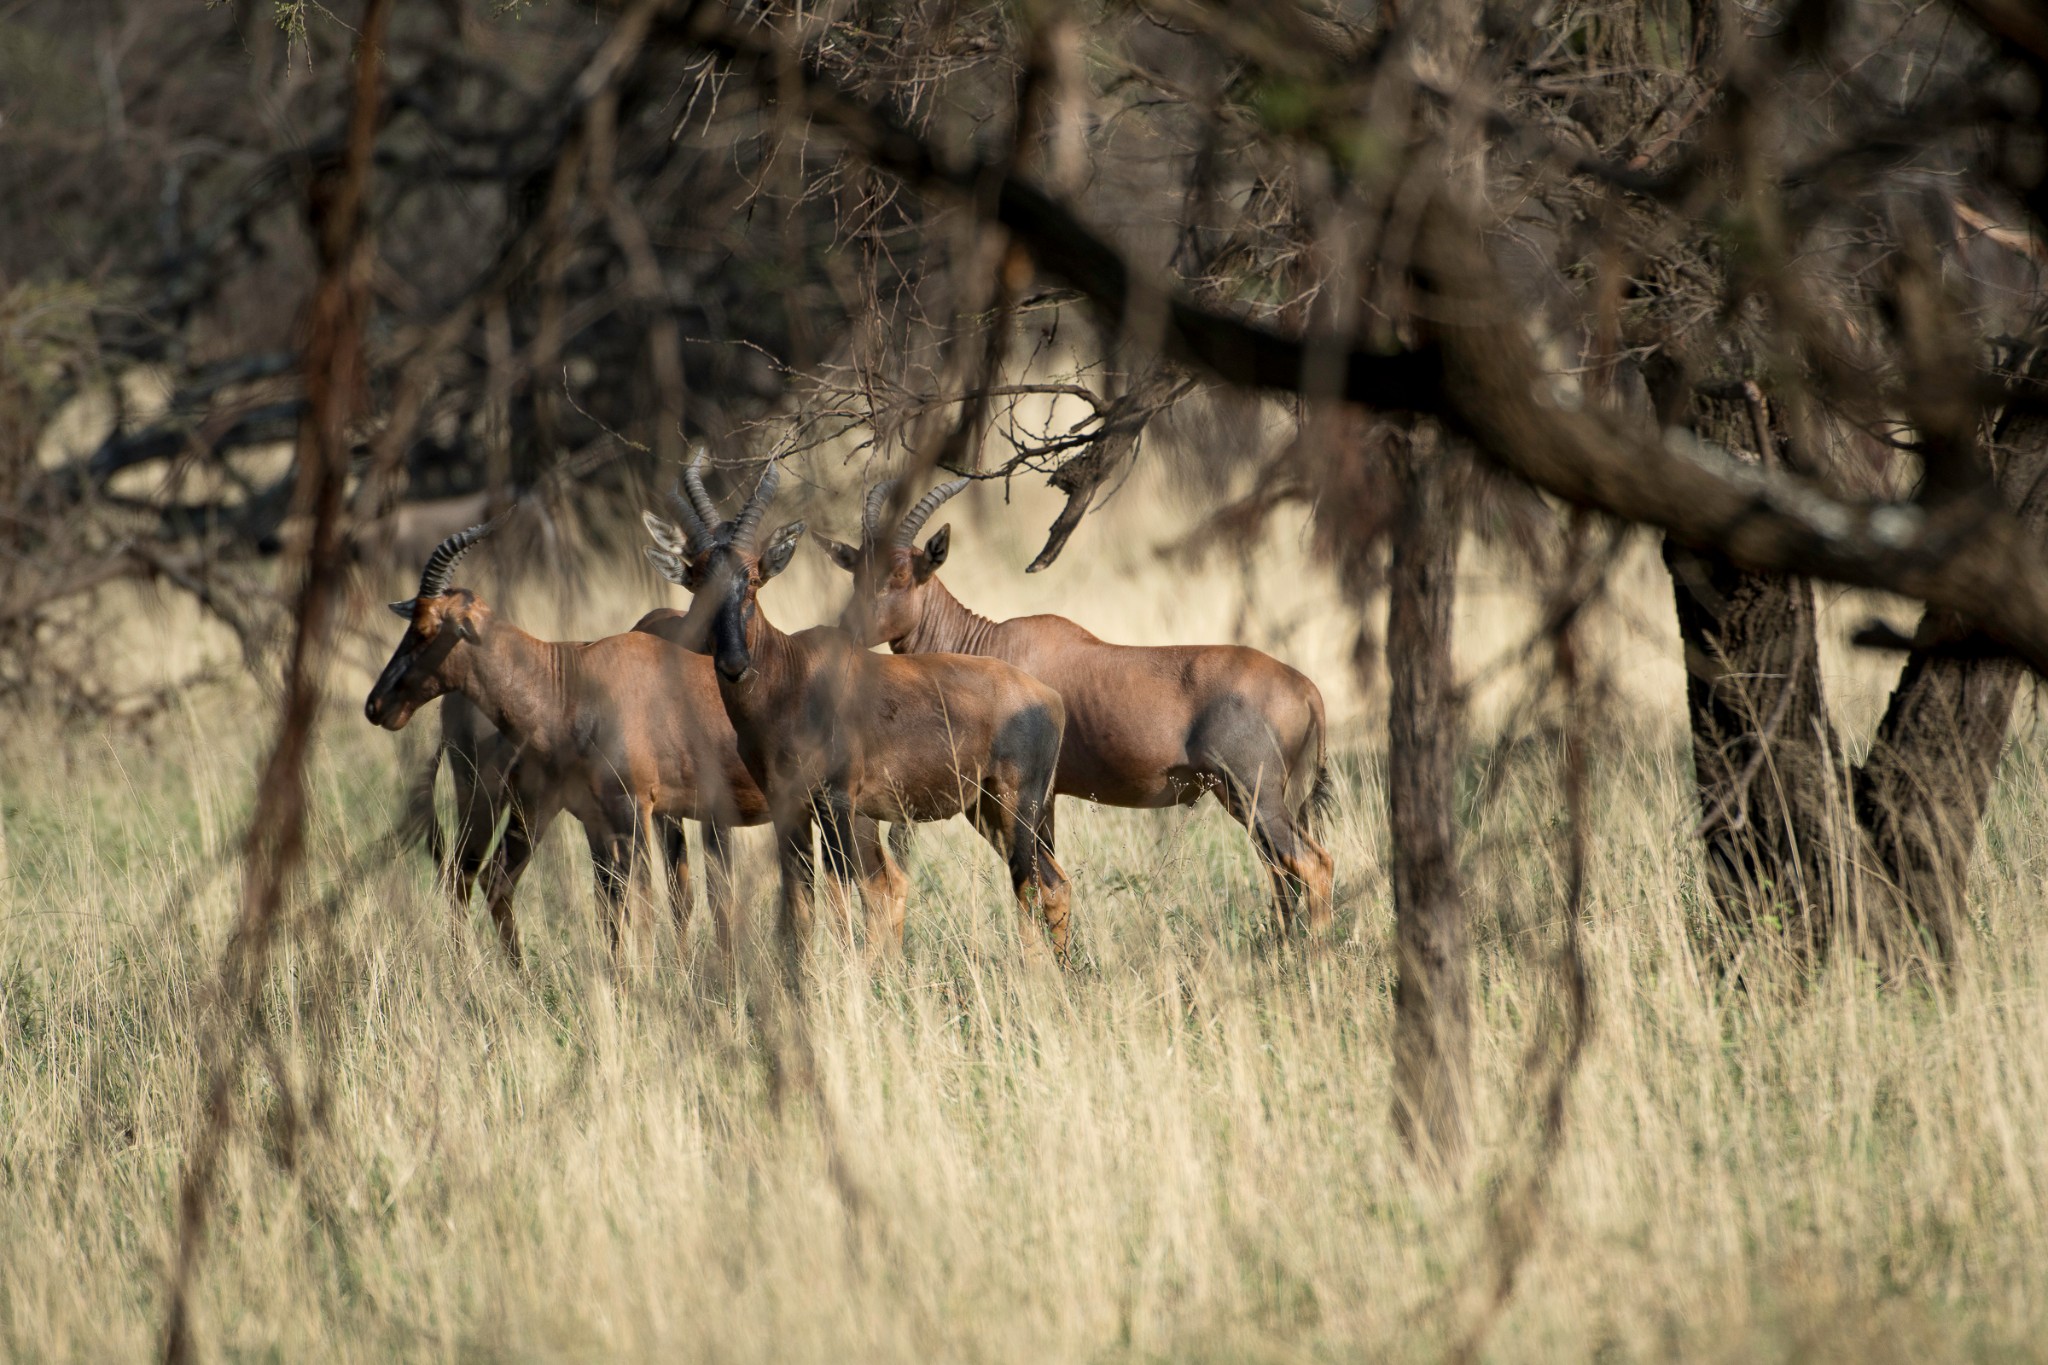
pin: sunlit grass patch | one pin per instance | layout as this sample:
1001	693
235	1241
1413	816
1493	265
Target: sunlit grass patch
1178	1148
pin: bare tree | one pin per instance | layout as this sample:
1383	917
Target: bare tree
1762	276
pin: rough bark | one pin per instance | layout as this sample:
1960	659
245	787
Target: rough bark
1920	794
1432	1008
1763	751
1887	861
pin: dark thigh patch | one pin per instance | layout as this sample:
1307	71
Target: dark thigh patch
1029	737
1237	742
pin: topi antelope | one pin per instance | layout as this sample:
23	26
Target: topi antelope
831	731
621	732
490	783
1146	725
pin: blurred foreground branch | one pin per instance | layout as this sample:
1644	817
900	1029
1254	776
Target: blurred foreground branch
336	390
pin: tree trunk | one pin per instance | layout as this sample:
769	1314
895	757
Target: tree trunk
1763	751
1887	861
1921	792
1432	1010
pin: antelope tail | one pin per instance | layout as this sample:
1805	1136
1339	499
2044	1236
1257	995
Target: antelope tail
1322	795
420	825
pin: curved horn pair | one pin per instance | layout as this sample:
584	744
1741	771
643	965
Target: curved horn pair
914	520
748	524
441	563
698	514
871	511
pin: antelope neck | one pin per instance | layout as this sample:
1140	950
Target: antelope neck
520	683
946	627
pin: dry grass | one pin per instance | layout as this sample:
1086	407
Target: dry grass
1180	1149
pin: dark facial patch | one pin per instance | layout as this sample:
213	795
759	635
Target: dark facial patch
411	679
729	578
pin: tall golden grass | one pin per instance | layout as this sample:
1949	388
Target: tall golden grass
1178	1149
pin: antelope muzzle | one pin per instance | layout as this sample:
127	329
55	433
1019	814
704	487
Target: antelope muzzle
401	689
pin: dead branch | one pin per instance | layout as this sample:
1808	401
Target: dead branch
1482	379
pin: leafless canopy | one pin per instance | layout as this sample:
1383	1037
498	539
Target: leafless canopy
1763	275
685	215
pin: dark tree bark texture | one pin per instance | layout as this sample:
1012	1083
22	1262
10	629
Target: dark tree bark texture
1885	862
1432	996
1764	752
1920	794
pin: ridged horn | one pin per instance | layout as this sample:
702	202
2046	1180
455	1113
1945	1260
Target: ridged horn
441	563
697	537
871	511
700	500
748	522
914	520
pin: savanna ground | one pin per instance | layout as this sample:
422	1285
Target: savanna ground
1178	1149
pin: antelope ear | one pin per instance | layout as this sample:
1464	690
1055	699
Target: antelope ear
934	552
665	534
845	556
781	546
402	610
669	566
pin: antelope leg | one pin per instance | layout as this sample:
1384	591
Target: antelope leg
835	820
1299	868
501	878
883	889
718	886
997	819
1055	895
793	909
611	861
676	865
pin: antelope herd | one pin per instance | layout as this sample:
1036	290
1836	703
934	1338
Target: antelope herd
713	714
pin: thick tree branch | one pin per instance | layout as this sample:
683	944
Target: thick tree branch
1234	350
1480	376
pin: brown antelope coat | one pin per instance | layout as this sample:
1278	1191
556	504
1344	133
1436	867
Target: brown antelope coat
1146	725
831	731
620	732
490	783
